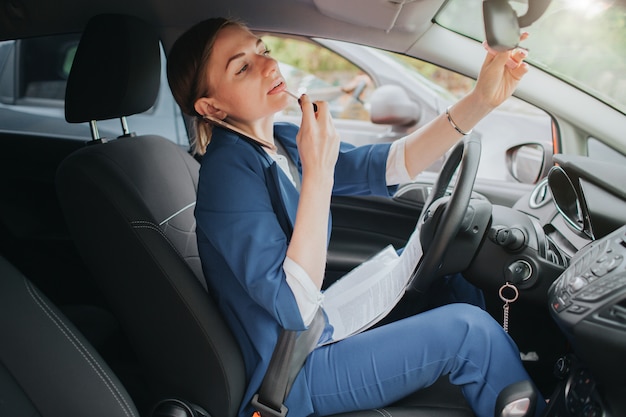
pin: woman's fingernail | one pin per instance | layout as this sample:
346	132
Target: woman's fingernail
314	105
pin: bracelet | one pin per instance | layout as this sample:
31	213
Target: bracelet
454	125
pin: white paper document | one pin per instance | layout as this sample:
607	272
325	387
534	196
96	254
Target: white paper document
369	292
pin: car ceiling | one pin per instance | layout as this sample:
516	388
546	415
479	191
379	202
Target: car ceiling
390	24
404	26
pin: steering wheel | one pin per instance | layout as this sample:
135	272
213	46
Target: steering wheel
442	216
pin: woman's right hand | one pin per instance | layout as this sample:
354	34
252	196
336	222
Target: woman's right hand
317	139
318	146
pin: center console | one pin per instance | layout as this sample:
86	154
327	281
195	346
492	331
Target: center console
588	302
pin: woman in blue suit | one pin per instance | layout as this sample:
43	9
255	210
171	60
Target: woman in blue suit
263	244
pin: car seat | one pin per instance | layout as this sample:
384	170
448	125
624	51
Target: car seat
47	368
129	206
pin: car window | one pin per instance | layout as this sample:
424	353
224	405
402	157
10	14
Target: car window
356	79
323	75
7	59
602	152
581	42
45	66
33	77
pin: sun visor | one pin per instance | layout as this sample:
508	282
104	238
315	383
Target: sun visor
387	15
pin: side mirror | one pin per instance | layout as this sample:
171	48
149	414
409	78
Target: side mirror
529	162
391	105
502	25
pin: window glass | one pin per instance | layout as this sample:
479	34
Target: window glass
396	94
580	41
323	75
33	77
513	123
46	64
452	83
7	59
602	152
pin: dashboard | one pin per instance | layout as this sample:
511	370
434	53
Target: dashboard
588	302
564	247
581	207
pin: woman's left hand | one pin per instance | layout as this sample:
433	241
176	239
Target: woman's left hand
498	78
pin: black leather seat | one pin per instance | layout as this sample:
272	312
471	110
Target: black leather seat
129	205
47	368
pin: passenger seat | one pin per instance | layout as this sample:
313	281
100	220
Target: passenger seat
47	368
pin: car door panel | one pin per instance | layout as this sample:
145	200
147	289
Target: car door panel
362	226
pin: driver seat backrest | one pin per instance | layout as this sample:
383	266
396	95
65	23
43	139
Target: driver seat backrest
129	206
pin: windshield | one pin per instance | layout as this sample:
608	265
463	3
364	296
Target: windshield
580	41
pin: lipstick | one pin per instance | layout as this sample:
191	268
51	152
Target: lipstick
298	98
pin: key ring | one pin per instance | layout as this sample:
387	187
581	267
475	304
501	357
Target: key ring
515	293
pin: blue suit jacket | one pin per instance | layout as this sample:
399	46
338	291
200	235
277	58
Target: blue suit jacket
245	213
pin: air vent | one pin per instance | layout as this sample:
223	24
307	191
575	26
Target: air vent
554	254
541	195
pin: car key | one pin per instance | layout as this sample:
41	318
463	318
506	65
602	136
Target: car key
507	301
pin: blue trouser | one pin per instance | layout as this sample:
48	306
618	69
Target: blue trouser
383	365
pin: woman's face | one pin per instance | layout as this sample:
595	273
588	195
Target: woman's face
245	83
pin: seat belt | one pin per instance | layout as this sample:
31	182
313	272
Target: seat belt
291	349
287	360
293	169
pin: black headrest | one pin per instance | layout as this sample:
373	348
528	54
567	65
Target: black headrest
116	70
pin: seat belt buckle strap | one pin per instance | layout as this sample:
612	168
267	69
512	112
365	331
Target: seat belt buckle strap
263	410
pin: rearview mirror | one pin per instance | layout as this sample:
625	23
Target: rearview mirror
502	25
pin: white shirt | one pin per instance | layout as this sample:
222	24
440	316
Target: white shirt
308	297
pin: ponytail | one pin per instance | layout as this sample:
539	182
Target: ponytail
203	129
187	64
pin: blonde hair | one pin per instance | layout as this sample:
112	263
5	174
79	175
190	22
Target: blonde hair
186	73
